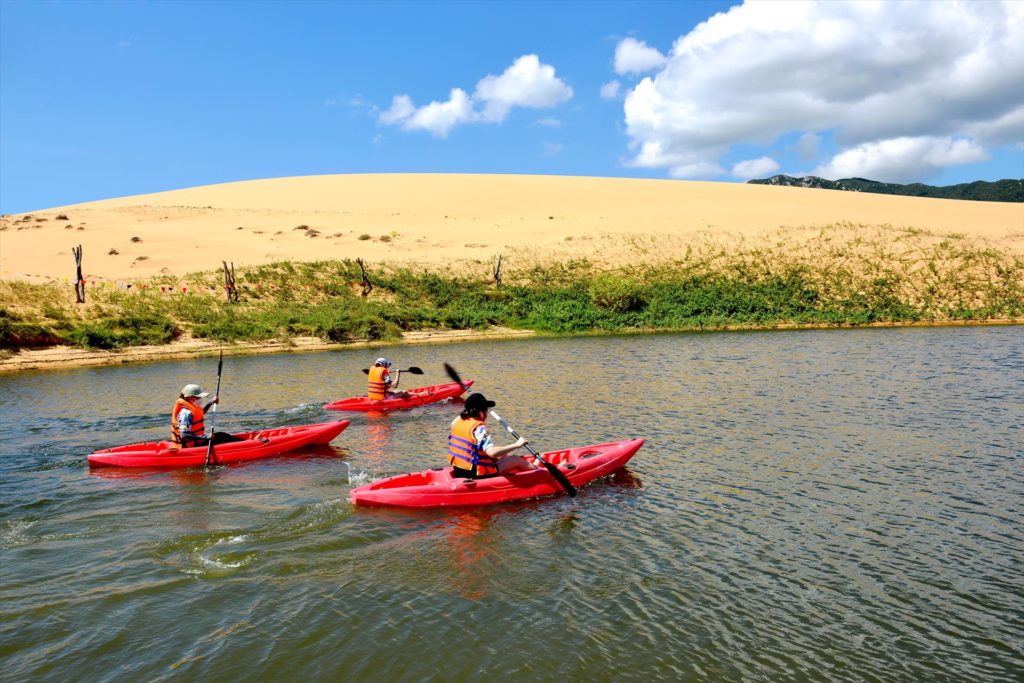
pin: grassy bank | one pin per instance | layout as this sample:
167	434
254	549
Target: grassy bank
843	275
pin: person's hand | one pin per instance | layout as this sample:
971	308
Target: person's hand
522	442
216	400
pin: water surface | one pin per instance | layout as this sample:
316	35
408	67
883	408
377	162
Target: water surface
809	506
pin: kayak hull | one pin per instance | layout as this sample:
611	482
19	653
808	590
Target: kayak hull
419	397
437	488
255	445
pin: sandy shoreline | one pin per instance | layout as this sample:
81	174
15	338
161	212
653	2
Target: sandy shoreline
66	357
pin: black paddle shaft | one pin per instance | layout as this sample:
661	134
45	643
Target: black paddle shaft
213	411
552	470
412	370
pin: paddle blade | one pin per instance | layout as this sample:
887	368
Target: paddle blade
366	371
455	376
413	370
560	478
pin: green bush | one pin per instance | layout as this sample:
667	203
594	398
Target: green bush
616	293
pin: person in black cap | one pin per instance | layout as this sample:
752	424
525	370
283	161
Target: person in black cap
471	451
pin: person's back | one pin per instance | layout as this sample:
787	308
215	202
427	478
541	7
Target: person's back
379	380
188	426
471	451
467	445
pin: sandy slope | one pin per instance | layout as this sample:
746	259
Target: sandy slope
436	218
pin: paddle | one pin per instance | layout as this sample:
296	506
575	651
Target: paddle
552	470
213	411
411	370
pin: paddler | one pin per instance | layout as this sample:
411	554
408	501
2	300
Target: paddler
379	383
187	416
471	451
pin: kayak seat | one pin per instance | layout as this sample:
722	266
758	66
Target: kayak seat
557	458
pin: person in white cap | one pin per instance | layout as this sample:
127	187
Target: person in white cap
187	428
379	383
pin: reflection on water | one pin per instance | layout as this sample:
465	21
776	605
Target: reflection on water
820	506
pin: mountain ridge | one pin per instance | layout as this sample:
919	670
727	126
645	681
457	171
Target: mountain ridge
1006	190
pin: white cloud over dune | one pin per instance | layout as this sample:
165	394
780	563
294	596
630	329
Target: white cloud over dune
901	89
901	159
527	83
754	168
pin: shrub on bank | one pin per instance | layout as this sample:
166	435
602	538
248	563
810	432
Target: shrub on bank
831	283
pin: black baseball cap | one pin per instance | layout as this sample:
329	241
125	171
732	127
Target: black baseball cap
475	402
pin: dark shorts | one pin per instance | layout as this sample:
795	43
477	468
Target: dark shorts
218	438
459	473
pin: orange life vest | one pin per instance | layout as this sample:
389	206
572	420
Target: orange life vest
377	388
198	428
464	452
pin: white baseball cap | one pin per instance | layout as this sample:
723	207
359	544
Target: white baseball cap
383	361
194	390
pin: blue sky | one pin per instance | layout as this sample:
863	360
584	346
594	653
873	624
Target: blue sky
106	99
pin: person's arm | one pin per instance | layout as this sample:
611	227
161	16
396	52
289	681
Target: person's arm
398	378
215	401
498	452
492	451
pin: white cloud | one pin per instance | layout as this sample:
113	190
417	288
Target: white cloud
901	160
755	168
807	146
527	83
610	90
634	56
401	109
549	122
1004	130
438	118
869	72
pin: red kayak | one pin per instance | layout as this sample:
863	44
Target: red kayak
418	397
254	445
437	488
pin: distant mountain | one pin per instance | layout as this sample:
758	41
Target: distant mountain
982	191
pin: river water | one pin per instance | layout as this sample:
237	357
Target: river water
841	505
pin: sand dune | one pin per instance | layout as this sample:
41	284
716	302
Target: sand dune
432	219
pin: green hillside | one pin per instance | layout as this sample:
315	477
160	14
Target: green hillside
999	191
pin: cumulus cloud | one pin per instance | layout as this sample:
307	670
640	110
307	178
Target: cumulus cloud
755	168
807	146
634	56
610	90
527	83
902	160
948	77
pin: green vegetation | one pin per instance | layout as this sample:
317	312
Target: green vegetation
845	275
1007	190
